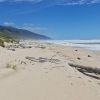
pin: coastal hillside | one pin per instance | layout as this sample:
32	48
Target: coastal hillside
8	32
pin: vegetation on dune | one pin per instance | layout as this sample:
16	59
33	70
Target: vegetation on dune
2	43
14	67
6	38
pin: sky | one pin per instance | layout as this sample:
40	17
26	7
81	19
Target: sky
58	19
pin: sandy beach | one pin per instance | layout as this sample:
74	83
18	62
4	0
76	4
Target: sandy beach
47	71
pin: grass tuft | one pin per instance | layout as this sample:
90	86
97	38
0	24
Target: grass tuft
14	67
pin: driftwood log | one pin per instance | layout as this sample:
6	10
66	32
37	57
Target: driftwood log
43	60
87	69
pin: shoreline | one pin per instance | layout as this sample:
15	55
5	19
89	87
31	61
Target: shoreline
87	44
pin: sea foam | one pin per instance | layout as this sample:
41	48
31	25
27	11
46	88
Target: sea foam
88	44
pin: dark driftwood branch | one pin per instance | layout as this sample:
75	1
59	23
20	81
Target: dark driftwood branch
85	68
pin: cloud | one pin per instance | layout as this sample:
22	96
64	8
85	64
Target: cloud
57	2
75	2
9	24
27	26
33	28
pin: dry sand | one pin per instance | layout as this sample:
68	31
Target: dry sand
42	73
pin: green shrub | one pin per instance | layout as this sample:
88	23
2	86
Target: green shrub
2	43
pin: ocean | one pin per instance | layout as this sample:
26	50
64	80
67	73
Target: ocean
87	44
